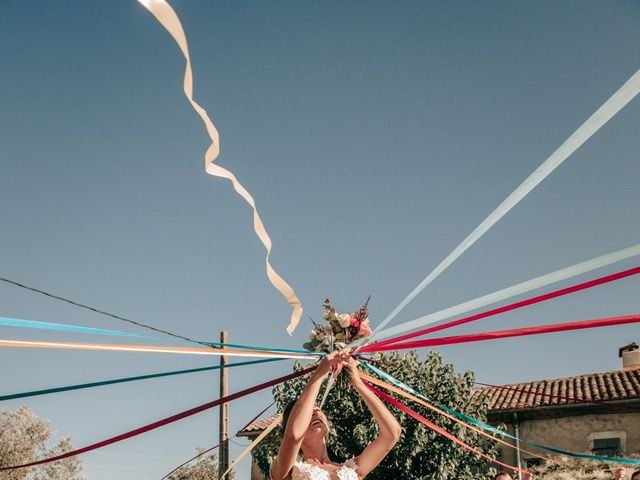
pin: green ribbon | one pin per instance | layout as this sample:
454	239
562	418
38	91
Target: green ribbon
486	426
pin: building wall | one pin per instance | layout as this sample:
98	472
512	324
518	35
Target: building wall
576	433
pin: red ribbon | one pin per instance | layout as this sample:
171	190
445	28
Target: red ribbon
530	301
437	429
217	445
166	421
190	460
518	332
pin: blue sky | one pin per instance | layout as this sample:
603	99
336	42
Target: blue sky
374	137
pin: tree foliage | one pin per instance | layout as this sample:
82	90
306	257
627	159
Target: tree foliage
420	453
23	438
205	468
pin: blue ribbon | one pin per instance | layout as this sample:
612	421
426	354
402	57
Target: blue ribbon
264	349
486	426
61	327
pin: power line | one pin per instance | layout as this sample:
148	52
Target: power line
101	312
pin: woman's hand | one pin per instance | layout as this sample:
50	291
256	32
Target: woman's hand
333	362
354	373
302	413
390	429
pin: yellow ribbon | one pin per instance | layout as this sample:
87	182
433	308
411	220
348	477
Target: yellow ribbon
169	20
154	349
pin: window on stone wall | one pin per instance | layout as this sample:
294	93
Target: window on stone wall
609	447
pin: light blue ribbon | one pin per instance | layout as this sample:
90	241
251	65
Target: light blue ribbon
61	327
264	349
488	427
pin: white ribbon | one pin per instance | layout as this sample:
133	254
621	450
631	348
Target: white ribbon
276	421
618	100
519	289
330	382
169	20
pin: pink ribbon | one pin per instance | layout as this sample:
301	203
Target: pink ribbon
437	429
518	332
524	303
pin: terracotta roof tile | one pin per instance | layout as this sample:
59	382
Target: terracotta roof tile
601	387
635	383
259	425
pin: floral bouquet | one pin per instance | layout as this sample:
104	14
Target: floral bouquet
340	330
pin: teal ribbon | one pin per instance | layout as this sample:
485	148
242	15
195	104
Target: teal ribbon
131	379
61	327
486	426
263	349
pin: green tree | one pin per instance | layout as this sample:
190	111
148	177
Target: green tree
206	468
420	453
23	438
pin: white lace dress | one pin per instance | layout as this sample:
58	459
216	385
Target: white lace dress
306	471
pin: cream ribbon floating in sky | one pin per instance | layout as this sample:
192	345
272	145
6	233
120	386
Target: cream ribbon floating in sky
613	105
169	20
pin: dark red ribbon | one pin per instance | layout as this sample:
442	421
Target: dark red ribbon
518	332
190	460
437	429
217	445
530	301
166	421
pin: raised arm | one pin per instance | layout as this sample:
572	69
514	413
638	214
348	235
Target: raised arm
390	429
300	415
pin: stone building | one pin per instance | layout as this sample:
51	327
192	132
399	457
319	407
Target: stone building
605	422
545	411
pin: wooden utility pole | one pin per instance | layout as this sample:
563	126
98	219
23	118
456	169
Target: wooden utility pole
223	452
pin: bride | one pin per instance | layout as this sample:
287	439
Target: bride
306	428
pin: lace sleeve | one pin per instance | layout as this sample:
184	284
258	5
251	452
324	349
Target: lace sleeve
351	463
348	470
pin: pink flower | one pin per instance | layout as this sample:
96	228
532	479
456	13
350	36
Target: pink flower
354	322
344	320
364	329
